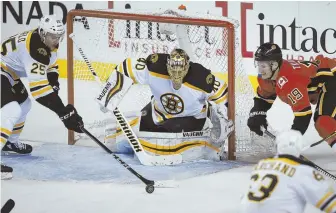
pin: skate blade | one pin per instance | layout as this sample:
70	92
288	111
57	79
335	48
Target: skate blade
12	153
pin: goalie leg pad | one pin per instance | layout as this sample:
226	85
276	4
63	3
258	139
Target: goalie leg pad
115	140
194	145
191	145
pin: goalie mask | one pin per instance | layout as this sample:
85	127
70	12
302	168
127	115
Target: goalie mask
268	59
51	30
178	66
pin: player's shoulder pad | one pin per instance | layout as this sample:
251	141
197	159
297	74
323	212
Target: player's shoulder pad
296	160
200	77
294	71
157	63
38	50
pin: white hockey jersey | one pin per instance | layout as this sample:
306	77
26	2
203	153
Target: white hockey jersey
25	55
199	86
285	184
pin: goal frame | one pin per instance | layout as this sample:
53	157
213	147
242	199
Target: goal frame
163	19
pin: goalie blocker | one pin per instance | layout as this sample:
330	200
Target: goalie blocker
113	91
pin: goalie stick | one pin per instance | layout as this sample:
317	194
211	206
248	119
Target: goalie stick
269	134
144	158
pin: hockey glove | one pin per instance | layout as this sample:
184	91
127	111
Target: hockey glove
256	120
53	81
71	119
257	117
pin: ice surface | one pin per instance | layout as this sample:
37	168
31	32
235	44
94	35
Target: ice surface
59	162
58	178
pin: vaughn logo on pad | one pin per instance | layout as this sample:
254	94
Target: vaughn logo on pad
192	134
103	93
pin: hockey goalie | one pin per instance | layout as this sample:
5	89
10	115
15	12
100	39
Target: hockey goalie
187	114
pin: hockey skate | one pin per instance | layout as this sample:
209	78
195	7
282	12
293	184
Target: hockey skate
6	172
18	148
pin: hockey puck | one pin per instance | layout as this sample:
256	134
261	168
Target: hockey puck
150	189
9	205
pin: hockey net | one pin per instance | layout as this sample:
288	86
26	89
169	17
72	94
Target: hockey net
108	37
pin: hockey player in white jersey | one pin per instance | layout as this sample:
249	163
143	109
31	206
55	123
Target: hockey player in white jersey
187	99
285	183
187	113
32	55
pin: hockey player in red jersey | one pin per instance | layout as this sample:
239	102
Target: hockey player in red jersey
296	83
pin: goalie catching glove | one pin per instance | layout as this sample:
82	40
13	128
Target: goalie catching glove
71	119
113	91
222	127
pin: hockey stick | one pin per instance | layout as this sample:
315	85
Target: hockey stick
306	159
320	141
333	177
149	183
309	146
144	158
8	207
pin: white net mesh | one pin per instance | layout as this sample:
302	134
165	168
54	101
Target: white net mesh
108	42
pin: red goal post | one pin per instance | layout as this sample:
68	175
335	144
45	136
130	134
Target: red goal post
110	16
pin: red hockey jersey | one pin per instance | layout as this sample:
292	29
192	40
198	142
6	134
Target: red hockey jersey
293	84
